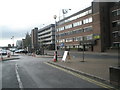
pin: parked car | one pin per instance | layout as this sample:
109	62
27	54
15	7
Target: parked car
21	51
3	52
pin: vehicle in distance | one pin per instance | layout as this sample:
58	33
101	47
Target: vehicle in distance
3	52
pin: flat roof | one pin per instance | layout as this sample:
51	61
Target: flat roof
81	11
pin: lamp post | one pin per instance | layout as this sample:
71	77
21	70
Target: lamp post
55	40
13	44
83	51
13	41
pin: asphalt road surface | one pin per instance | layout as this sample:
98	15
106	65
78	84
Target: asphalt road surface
88	55
32	72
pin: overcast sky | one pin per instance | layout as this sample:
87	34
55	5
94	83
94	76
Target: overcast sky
18	17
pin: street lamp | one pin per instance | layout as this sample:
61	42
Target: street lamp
13	44
55	39
83	44
13	41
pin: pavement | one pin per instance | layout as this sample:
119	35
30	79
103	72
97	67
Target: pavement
60	52
95	68
12	57
90	67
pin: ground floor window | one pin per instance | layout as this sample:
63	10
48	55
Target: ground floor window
116	45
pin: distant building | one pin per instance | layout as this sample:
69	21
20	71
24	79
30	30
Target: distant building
46	37
23	43
95	28
19	44
34	38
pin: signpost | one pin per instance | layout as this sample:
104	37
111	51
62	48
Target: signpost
65	55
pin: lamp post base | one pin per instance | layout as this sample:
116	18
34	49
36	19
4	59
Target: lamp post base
55	56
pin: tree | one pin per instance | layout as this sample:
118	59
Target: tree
27	42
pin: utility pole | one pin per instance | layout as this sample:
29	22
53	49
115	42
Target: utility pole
13	44
55	39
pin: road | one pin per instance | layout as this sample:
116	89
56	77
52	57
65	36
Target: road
32	72
91	55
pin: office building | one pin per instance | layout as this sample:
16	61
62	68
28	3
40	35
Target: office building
90	28
46	37
34	39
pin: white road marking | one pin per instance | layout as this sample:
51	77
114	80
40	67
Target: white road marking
18	77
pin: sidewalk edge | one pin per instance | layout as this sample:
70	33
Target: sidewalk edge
80	72
10	59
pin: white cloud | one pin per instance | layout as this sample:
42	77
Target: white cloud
24	15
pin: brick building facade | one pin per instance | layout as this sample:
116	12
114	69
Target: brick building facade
91	28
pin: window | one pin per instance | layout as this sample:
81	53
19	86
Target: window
86	29
69	40
115	34
77	23
76	16
119	12
89	37
78	38
68	26
114	13
87	20
60	29
80	30
62	40
90	19
76	31
90	11
116	45
118	23
115	23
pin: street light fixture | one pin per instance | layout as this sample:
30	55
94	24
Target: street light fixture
55	39
13	41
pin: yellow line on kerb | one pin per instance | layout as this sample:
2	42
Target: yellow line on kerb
81	76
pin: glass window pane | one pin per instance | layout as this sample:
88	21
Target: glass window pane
118	12
114	13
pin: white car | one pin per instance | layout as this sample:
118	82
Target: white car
3	52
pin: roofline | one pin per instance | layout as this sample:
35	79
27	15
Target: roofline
81	11
46	27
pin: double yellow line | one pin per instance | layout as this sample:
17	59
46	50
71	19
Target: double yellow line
102	85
